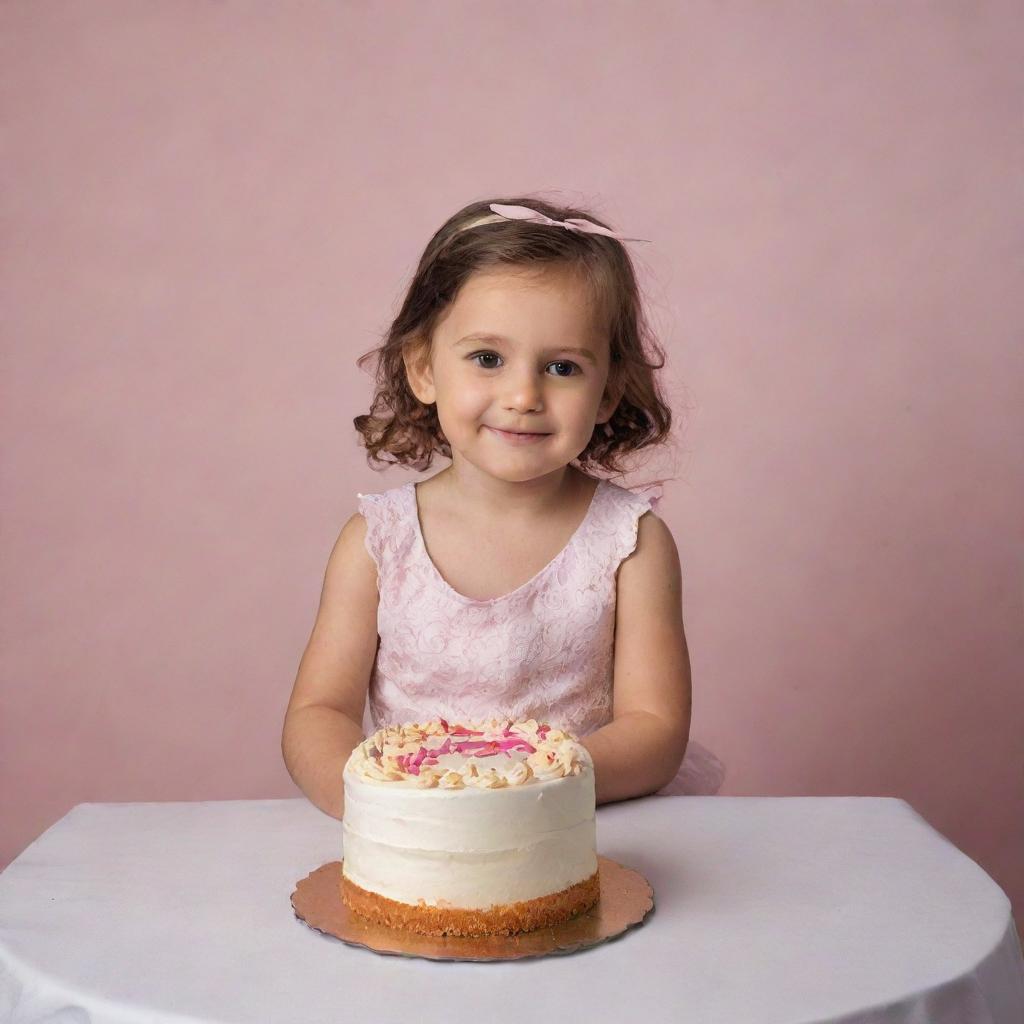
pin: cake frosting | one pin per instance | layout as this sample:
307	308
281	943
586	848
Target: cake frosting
469	828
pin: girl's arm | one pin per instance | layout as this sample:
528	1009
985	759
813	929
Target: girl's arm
641	749
323	723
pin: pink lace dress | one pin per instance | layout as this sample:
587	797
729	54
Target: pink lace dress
542	651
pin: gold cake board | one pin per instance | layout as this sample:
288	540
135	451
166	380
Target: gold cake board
626	899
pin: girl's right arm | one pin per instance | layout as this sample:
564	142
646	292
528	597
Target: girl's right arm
323	723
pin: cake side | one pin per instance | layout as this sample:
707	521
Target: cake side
500	919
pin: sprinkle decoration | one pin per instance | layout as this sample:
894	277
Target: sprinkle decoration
410	763
385	759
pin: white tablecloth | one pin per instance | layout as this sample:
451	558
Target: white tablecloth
768	910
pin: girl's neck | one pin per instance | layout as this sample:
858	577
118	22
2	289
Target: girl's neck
491	497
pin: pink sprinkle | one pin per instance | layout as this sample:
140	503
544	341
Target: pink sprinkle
482	748
507	745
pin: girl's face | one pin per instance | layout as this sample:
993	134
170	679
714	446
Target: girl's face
518	372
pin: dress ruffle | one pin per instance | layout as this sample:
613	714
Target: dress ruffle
653	492
700	774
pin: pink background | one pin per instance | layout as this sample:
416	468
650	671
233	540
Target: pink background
210	211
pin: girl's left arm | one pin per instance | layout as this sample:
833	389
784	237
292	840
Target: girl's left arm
641	749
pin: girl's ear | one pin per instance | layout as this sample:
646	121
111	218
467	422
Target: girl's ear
416	357
613	392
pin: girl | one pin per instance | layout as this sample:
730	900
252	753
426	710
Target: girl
513	582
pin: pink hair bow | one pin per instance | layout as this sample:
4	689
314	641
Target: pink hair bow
573	223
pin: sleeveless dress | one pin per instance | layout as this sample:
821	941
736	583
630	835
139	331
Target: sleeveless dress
543	651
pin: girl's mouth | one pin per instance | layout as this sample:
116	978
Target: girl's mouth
512	437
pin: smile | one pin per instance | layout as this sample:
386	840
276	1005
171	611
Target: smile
515	438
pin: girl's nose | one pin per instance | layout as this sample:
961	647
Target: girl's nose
523	394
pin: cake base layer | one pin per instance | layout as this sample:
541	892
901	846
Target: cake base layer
504	919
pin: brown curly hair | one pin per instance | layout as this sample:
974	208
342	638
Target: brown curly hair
401	429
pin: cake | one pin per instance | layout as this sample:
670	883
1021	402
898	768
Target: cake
469	828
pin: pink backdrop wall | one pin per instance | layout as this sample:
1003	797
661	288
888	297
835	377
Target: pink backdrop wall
209	211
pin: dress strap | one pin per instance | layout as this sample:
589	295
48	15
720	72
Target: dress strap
654	492
629	504
390	526
379	512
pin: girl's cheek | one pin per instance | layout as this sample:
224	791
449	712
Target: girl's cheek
467	394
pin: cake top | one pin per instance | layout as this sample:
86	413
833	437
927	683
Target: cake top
483	755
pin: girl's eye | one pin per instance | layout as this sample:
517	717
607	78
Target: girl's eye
566	366
485	355
491	361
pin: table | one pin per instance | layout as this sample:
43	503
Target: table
770	910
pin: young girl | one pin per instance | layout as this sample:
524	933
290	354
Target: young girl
513	582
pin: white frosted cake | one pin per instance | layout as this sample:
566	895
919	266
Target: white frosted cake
469	828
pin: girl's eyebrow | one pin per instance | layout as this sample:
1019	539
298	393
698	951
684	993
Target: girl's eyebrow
485	336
